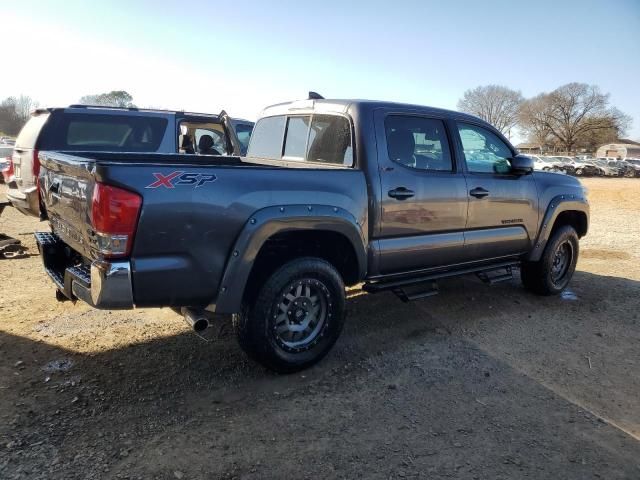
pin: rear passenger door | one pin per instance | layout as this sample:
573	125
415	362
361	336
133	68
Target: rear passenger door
503	207
424	194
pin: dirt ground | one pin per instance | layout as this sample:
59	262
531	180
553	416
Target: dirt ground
477	383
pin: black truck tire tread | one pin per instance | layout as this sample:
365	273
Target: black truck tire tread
536	276
252	323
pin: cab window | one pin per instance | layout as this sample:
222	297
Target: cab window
418	142
483	151
305	138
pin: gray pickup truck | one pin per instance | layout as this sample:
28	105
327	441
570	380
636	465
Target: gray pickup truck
331	193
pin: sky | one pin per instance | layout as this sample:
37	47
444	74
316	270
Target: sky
242	56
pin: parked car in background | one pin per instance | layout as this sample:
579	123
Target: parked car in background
609	167
542	164
553	165
5	167
633	161
5	151
588	168
7	141
566	164
5	162
105	129
627	168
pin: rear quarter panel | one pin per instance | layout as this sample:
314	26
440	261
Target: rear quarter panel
185	233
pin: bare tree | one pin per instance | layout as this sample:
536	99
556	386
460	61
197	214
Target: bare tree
572	114
495	104
24	105
115	98
14	113
532	120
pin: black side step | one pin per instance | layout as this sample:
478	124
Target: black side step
410	294
399	283
496	276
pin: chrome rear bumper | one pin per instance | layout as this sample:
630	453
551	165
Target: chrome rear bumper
26	202
102	284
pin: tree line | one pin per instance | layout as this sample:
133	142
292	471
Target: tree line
15	111
571	117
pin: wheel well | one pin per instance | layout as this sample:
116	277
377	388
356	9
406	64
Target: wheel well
282	247
578	220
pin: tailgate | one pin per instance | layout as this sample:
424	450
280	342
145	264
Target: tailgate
66	189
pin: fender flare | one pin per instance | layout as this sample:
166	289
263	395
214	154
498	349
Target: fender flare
269	221
559	204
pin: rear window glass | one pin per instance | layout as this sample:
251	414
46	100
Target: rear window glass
316	138
295	144
266	139
28	136
330	140
118	133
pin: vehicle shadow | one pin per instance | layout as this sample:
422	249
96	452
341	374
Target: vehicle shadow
496	360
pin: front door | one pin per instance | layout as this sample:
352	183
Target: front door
424	194
503	207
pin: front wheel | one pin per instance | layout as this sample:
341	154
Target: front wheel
296	317
552	273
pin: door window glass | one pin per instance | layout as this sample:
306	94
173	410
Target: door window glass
484	152
418	142
215	145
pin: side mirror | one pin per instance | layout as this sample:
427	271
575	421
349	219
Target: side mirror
521	165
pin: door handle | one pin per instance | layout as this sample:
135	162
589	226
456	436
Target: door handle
401	193
479	192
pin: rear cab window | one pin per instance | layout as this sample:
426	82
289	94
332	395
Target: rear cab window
318	138
98	132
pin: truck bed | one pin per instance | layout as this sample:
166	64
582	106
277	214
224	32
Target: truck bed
193	210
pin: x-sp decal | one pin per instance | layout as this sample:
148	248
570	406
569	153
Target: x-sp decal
176	179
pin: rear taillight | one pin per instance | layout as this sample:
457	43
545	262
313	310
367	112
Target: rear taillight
7	172
114	215
35	165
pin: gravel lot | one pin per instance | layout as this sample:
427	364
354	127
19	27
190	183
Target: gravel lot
478	382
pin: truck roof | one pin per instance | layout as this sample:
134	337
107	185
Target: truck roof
342	106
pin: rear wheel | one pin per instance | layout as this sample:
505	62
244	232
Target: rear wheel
296	317
553	272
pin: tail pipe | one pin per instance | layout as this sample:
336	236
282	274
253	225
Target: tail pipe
195	319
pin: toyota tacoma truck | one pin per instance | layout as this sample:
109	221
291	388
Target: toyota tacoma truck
332	193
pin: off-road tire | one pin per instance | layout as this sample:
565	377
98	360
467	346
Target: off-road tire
259	324
541	277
